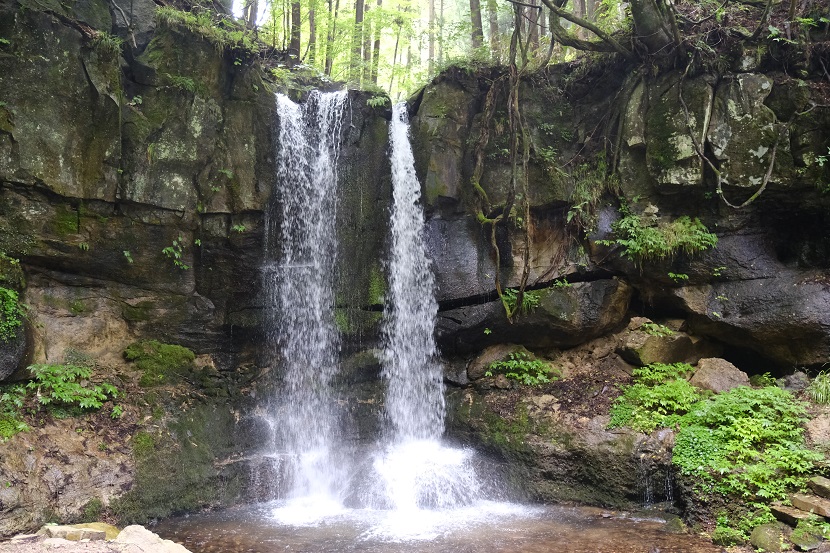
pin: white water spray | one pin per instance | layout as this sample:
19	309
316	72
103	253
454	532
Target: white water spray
298	282
415	470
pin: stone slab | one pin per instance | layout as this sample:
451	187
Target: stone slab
811	503
789	515
820	486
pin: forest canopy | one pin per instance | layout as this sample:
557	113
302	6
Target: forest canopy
396	45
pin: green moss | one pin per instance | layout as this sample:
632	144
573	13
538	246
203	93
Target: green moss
160	363
377	286
662	152
143	444
92	510
140	312
11	274
65	221
178	473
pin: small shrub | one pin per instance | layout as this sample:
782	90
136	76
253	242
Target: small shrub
819	389
655	329
11	400
159	362
109	46
92	510
523	368
510	298
68	386
746	443
11	314
641	241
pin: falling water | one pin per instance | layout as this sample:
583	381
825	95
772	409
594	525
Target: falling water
415	396
298	276
415	469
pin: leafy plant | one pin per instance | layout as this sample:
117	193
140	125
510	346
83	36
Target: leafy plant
175	253
109	46
68	386
641	241
746	443
11	314
659	396
239	227
523	368
128	256
655	329
510	298
679	277
819	389
377	101
11	401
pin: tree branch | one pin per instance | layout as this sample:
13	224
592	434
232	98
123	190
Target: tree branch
563	37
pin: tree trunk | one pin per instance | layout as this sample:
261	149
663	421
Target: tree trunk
367	44
250	12
493	18
330	35
477	35
357	43
296	27
312	36
431	38
376	48
652	25
533	15
440	32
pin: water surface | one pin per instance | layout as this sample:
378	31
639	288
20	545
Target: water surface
485	527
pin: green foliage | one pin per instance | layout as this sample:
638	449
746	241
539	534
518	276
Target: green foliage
175	253
679	277
239	227
762	380
510	298
523	368
589	182
11	314
655	329
746	443
107	45
159	362
220	31
641	241
659	396
92	510
819	389
11	401
69	386
378	101
185	84
128	256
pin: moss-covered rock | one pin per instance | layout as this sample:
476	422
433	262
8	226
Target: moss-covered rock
160	363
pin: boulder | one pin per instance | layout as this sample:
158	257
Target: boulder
820	486
718	375
767	537
72	533
565	316
811	504
145	540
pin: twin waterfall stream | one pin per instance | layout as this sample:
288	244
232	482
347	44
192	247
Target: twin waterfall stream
410	471
409	491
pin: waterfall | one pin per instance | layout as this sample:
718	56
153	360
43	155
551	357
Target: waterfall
415	394
298	281
414	469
